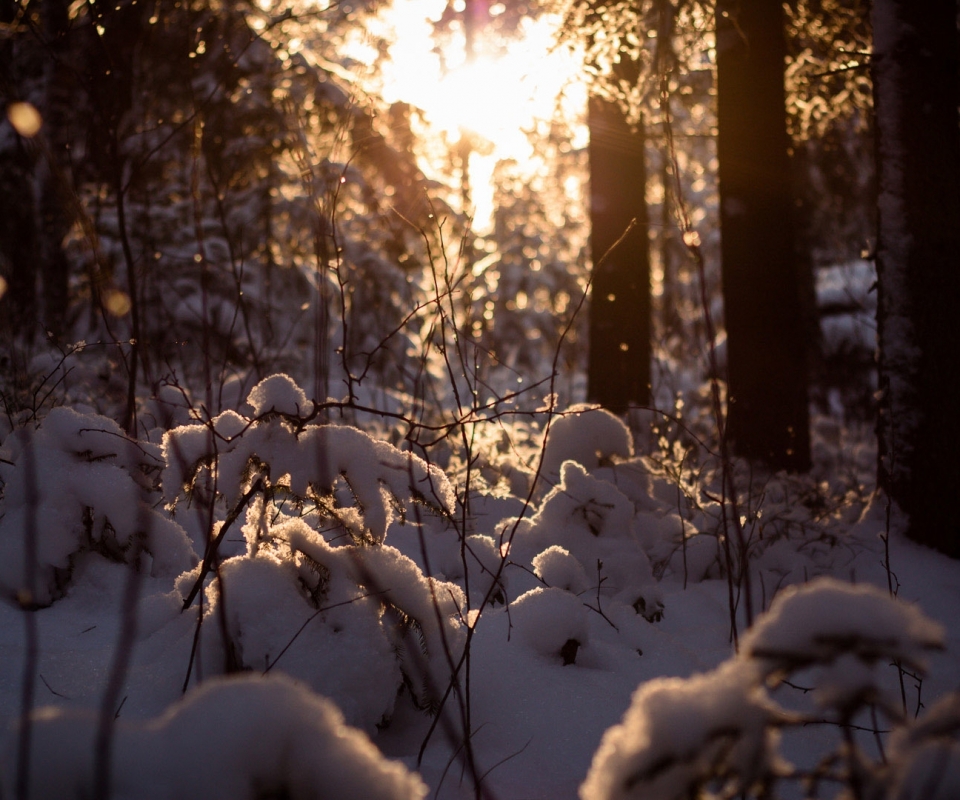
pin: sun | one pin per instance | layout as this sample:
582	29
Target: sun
490	98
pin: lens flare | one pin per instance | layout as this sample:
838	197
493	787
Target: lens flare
25	119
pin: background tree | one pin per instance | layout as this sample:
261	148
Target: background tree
915	67
19	238
618	373
768	418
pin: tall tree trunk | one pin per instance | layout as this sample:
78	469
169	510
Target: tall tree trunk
619	356
915	67
19	242
768	417
59	96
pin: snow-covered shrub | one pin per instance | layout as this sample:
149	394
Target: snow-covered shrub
238	738
589	435
318	592
716	729
344	474
78	485
924	757
849	632
717	734
556	567
593	522
355	622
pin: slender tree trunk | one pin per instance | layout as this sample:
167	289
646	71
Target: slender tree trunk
619	355
670	294
768	417
915	68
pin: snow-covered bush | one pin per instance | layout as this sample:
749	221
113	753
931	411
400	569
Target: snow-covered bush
716	729
551	621
77	485
238	738
318	592
925	756
341	473
717	734
589	435
848	633
355	622
592	522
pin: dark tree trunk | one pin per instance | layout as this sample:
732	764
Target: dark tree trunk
59	96
19	242
768	417
619	356
915	67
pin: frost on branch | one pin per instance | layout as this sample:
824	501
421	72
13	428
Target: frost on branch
79	484
233	738
679	736
352	478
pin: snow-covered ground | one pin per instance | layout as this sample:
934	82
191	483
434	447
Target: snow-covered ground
352	573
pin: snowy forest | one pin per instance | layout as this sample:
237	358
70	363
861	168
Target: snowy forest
479	399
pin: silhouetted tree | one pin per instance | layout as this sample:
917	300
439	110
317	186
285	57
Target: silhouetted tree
619	355
915	67
19	241
768	416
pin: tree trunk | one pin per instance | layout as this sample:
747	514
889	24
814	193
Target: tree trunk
19	242
768	417
915	67
619	355
60	95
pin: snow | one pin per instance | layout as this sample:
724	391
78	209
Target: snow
277	394
588	435
927	755
829	619
233	738
552	622
677	731
589	633
77	480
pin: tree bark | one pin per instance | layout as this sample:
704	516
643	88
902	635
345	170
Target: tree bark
768	417
915	68
619	353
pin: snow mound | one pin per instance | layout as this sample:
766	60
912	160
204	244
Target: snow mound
231	739
556	567
277	394
551	621
594	523
589	435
